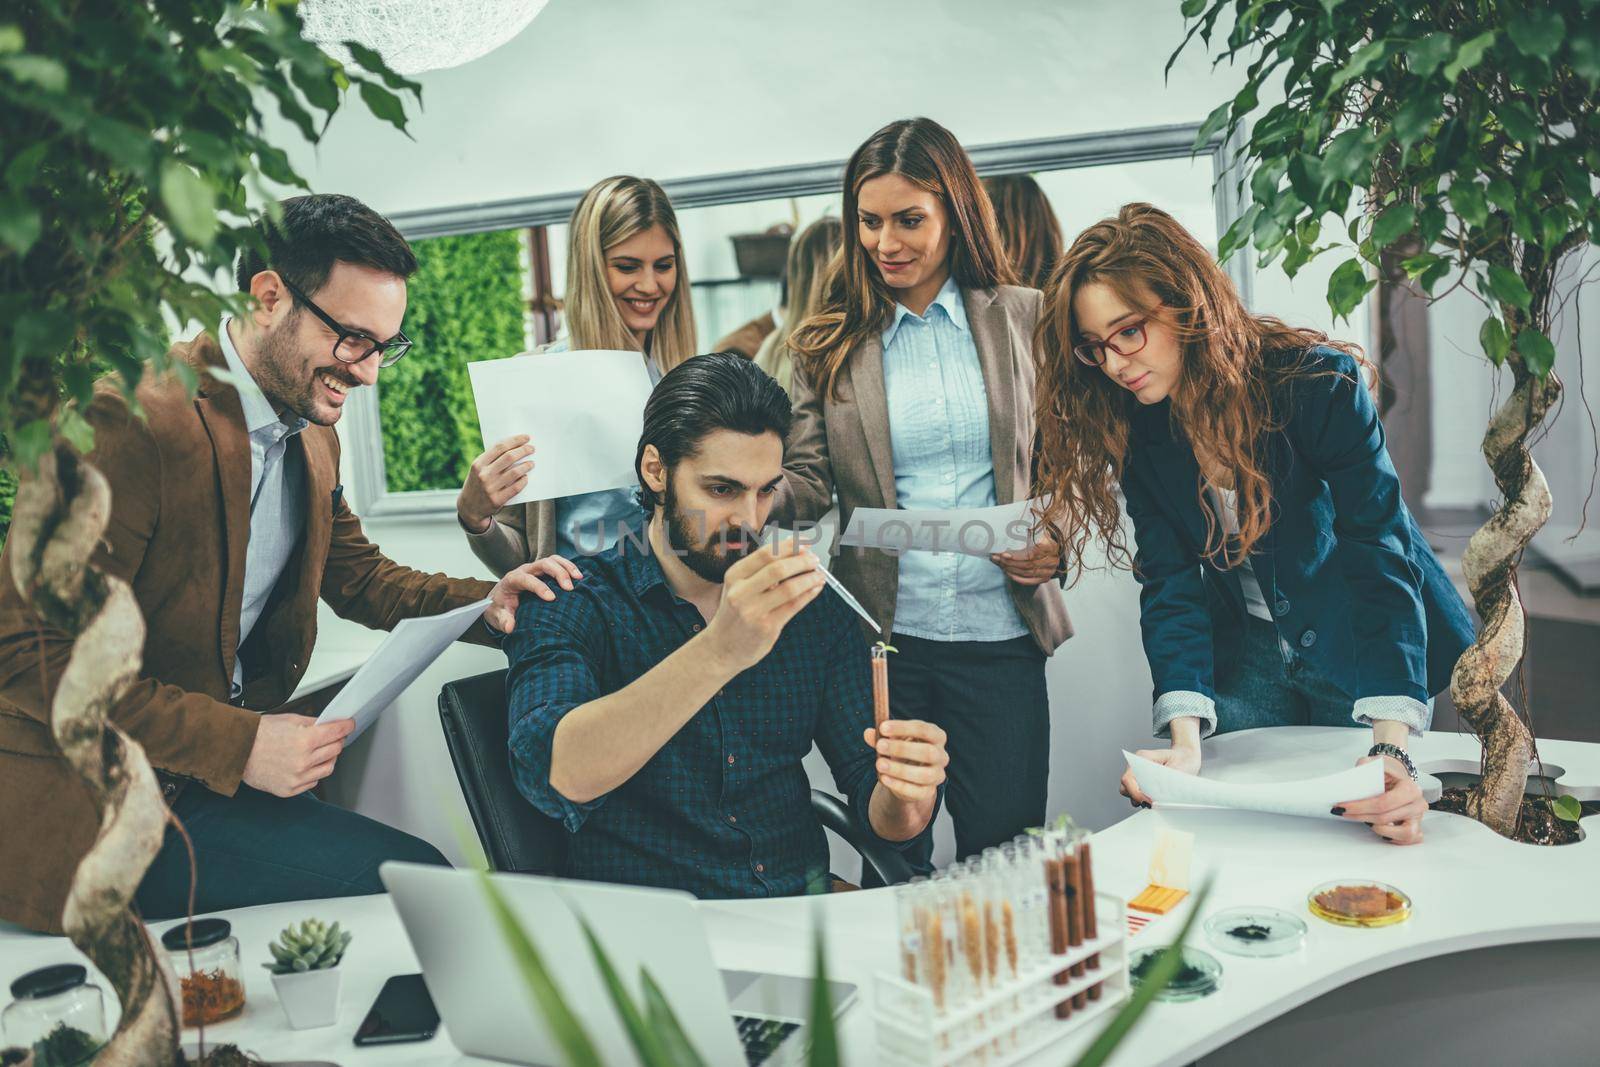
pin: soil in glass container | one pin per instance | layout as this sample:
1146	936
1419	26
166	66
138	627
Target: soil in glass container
211	996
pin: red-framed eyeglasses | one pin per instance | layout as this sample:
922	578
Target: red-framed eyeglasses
1127	341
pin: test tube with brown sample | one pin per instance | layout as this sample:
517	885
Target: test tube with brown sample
997	875
907	899
973	952
1075	916
956	970
1056	879
880	684
1091	926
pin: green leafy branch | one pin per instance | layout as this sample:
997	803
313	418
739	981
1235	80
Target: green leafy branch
133	146
1467	132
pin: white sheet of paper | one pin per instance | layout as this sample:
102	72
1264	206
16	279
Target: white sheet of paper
409	649
1311	797
583	410
970	531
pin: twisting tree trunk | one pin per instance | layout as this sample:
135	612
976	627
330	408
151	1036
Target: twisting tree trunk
58	520
1490	563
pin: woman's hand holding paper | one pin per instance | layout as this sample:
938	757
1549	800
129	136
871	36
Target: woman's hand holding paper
494	478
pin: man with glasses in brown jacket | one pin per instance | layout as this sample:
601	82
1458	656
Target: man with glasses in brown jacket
229	523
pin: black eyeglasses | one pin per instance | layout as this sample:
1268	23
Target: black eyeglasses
353	346
1129	340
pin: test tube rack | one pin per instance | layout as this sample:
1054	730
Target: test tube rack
1015	1019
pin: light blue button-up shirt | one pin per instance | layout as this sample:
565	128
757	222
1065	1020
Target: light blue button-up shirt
588	523
277	495
939	431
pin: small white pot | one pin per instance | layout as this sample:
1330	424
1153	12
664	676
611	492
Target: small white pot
310	998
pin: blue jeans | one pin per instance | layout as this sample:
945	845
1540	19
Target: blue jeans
1273	685
255	848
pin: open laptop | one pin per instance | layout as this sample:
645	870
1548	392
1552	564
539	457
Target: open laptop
730	1017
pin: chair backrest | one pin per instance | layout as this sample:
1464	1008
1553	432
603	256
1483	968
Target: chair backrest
516	837
514	834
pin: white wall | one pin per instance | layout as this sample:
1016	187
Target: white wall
711	86
670	90
1467	389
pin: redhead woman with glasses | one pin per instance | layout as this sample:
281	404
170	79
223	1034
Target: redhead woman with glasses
1283	581
913	388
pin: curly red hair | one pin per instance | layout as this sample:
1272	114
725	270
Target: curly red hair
1232	361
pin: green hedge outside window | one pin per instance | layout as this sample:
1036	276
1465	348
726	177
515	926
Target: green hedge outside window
465	305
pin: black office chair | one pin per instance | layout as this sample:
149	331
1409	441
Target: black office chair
516	837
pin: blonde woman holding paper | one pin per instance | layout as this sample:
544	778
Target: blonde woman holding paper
626	289
913	388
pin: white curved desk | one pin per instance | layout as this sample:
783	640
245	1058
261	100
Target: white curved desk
1542	899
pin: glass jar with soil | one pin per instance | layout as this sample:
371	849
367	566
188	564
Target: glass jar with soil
58	1015
205	957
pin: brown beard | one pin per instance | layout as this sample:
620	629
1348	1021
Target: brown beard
286	376
690	542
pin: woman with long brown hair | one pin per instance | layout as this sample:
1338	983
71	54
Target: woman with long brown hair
626	289
913	388
1028	227
1283	581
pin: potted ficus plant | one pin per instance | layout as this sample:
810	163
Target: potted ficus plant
126	184
1463	141
305	961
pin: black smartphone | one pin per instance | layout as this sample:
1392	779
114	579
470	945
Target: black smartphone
404	1011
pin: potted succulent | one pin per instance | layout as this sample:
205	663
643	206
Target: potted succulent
305	961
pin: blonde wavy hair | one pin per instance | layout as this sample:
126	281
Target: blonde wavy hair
1232	364
612	211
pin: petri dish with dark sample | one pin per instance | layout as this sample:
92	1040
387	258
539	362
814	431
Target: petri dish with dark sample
1256	931
1199	974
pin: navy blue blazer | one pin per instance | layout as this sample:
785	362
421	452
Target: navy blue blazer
1351	581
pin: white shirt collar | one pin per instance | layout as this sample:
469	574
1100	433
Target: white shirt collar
948	300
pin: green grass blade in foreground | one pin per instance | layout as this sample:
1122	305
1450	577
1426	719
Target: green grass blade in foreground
824	1050
664	1022
649	1047
580	1052
1165	967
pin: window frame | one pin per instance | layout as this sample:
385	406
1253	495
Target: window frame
364	434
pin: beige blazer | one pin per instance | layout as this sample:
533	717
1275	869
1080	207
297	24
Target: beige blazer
843	446
520	533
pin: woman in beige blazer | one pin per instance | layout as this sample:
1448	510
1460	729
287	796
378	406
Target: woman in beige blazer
913	388
626	289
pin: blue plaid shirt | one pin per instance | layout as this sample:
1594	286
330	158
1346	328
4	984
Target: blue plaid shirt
723	809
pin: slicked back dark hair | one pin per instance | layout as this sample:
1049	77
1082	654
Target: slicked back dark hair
719	391
318	230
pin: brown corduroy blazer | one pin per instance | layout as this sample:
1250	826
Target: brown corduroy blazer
178	533
843	444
